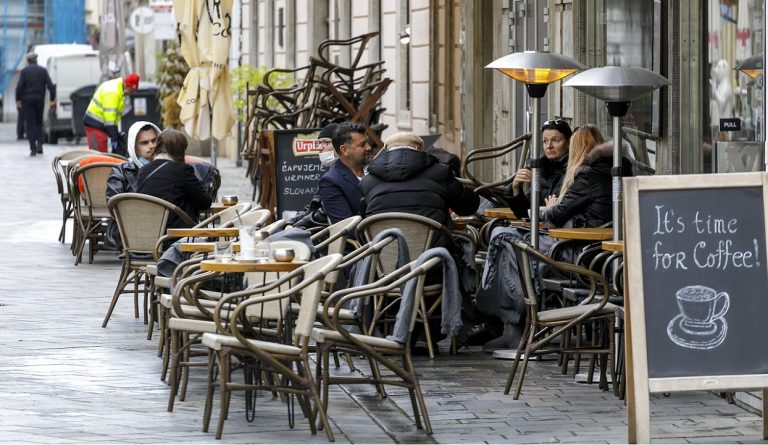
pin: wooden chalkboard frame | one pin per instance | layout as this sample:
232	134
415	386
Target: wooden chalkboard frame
269	162
639	385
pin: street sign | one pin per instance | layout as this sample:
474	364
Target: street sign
142	20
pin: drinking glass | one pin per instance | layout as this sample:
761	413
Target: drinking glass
222	251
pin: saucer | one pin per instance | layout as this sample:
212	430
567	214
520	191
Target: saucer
695	336
251	260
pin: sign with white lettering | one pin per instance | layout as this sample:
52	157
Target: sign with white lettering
730	124
696	272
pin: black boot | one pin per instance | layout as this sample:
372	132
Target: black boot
510	339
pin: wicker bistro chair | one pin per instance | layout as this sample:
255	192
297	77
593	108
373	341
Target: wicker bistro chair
544	326
253	217
376	349
287	363
142	220
90	206
225	215
59	173
421	233
189	313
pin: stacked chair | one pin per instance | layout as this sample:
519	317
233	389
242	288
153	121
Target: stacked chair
323	92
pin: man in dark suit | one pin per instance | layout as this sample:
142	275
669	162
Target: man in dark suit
30	98
339	188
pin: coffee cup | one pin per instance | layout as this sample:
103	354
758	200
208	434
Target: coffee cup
248	253
699	304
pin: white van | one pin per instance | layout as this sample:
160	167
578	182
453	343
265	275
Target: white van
68	72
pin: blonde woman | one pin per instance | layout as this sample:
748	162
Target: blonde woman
585	195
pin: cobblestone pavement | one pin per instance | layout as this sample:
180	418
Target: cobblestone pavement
64	379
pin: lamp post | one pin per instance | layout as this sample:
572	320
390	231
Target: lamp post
536	69
618	86
753	67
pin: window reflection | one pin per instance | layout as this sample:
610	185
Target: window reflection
633	35
734	34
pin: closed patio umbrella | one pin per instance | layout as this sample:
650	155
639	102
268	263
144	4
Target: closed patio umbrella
112	40
205	32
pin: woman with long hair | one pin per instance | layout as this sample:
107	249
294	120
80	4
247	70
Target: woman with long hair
168	177
585	196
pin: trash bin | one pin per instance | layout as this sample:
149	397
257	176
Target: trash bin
142	105
81	97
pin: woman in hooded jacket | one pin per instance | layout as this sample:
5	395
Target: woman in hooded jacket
585	198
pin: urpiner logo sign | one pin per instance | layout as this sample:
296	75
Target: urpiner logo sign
306	146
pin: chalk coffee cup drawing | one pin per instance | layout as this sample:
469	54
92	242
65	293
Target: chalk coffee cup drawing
701	322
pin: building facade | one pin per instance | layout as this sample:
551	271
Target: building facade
436	51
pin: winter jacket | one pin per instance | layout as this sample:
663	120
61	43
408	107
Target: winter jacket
412	181
123	176
588	202
340	193
106	108
33	80
550	181
176	183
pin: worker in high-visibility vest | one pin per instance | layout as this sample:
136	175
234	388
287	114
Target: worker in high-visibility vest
105	111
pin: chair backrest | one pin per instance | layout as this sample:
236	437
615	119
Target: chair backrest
142	220
58	166
494	191
275	226
333	239
310	291
94	179
253	217
230	213
526	255
420	234
305	282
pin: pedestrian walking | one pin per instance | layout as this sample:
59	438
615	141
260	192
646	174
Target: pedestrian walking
30	99
105	111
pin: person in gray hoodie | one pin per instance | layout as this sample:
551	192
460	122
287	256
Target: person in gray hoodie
142	137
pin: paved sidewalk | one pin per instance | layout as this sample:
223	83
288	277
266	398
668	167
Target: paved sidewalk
64	379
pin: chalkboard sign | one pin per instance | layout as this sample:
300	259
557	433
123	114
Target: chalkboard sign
297	170
696	271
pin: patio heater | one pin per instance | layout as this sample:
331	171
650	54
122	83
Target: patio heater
753	67
618	86
536	69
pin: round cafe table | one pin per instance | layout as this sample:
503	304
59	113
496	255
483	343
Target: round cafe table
613	246
500	212
204	232
203	247
250	266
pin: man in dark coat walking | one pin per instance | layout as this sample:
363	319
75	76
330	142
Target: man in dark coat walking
30	99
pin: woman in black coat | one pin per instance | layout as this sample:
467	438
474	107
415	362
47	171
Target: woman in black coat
555	137
585	198
168	177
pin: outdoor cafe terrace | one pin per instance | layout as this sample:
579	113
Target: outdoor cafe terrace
67	379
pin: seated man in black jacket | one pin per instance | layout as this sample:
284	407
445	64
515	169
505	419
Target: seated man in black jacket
405	179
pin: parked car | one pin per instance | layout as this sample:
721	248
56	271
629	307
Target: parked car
69	73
